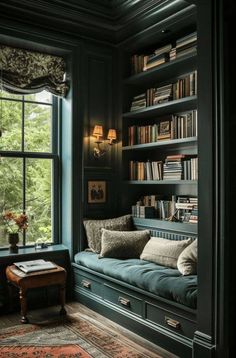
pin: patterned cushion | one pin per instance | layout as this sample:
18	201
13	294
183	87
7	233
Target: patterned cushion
187	261
94	233
164	252
123	244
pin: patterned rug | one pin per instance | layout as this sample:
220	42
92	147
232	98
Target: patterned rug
71	337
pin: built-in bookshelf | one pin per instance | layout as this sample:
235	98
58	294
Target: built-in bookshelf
159	152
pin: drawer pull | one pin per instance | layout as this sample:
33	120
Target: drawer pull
172	322
124	301
86	284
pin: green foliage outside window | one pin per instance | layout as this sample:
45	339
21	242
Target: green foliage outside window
34	173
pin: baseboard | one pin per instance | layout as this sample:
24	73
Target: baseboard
202	346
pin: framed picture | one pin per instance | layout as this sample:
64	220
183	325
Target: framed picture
96	192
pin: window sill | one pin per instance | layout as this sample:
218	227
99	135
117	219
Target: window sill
24	253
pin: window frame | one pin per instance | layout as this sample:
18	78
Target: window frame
54	155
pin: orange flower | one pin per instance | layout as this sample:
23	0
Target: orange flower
22	221
14	222
8	215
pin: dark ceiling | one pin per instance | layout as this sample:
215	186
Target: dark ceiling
108	20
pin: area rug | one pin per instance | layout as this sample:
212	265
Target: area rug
73	337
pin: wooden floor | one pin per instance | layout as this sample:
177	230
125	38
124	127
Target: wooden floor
35	316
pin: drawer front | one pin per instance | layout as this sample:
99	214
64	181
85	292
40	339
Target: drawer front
88	284
122	299
170	320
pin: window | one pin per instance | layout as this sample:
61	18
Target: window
29	163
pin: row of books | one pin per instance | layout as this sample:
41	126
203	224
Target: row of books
184	87
184	46
175	167
181	208
172	127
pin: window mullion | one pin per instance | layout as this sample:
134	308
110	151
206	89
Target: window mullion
23	126
24	195
24	164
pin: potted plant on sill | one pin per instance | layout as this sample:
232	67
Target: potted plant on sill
15	223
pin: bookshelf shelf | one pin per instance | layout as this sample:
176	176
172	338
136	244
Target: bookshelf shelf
175	106
172	69
161	182
183	142
166	225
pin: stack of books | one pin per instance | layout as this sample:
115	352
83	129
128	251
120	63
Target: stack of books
173	167
162	94
187	209
180	166
34	265
160	56
186	45
138	102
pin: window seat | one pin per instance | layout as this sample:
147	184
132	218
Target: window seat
159	280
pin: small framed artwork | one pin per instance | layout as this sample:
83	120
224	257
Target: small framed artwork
96	191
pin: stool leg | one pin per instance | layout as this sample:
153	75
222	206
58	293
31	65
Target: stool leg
23	303
62	299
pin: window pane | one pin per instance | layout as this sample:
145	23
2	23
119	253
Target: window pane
43	96
10	123
39	200
5	94
11	183
38	124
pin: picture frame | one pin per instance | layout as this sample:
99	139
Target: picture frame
97	191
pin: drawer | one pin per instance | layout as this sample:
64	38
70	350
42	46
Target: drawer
88	284
172	321
122	299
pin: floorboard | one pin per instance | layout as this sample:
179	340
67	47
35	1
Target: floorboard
35	316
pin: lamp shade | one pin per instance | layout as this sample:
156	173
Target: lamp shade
111	134
98	131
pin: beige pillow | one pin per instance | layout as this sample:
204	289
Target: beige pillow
94	233
164	252
123	244
187	261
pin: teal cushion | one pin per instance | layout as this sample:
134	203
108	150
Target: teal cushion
160	280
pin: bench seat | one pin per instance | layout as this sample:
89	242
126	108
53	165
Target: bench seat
159	280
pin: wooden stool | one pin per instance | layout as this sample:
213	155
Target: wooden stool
23	281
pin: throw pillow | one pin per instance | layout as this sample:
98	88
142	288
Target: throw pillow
187	261
94	233
123	244
164	252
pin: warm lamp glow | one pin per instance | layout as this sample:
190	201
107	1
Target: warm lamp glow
101	146
111	135
98	132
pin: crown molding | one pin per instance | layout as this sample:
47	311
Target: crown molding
104	20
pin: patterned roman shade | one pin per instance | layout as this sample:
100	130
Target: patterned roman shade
25	72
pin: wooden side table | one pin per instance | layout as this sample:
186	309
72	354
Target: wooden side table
23	281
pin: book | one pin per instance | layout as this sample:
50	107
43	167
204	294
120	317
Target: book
34	265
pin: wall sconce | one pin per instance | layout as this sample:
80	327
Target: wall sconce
98	133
